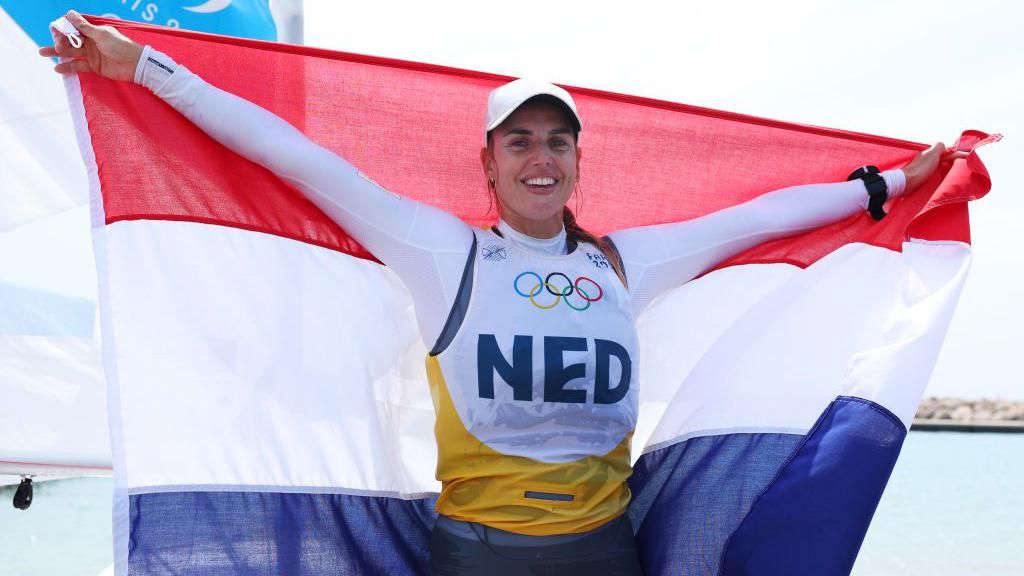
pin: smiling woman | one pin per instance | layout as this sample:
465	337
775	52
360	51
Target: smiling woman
532	161
536	403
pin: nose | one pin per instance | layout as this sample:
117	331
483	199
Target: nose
542	156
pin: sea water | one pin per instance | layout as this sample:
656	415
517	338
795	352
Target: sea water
65	532
954	506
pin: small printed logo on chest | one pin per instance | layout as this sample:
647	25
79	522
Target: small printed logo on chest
598	260
493	253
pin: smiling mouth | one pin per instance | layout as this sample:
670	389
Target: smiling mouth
540	184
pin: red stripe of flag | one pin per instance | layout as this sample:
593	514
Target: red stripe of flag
417	130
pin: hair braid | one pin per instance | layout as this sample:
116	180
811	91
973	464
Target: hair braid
574	234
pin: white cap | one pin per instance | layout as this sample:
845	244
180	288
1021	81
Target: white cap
504	100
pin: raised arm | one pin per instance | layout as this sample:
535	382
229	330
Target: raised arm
663	256
425	246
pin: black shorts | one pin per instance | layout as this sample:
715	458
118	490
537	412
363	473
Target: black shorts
471	549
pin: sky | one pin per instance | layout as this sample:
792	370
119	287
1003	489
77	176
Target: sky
921	70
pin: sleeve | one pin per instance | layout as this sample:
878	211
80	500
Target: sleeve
657	258
425	246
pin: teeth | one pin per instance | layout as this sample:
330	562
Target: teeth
540	181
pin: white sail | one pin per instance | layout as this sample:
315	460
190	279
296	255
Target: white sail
53	403
53	418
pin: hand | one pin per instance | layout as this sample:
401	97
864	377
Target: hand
920	169
104	51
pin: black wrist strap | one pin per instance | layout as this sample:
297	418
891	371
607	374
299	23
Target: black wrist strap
878	192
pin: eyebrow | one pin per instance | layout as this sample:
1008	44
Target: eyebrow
526	132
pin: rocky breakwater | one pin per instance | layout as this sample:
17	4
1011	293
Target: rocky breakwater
955	413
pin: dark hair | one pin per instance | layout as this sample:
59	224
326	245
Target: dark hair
574	233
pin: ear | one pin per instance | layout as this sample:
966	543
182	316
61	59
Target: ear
579	156
487	163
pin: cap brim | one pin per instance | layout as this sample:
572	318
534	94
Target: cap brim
571	113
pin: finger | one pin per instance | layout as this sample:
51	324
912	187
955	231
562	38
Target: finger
48	51
60	42
72	67
64	49
935	149
83	26
63	45
955	153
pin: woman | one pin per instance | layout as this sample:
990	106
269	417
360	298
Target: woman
532	366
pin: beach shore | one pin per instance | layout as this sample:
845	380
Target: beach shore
959	415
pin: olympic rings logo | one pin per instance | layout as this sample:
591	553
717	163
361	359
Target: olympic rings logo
553	286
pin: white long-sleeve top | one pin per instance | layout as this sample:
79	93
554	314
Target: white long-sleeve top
427	247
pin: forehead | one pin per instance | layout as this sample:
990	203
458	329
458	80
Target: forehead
537	115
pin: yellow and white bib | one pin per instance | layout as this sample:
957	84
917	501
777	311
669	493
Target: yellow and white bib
535	391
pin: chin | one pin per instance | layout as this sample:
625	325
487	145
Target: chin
536	207
544	204
544	212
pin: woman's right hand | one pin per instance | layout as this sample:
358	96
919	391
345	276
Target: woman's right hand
104	51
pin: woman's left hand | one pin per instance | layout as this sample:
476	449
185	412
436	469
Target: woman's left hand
920	169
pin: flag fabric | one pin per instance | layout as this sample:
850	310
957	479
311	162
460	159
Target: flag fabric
37	170
269	406
53	417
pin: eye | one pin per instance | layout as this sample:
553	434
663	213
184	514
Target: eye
559	143
519	143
